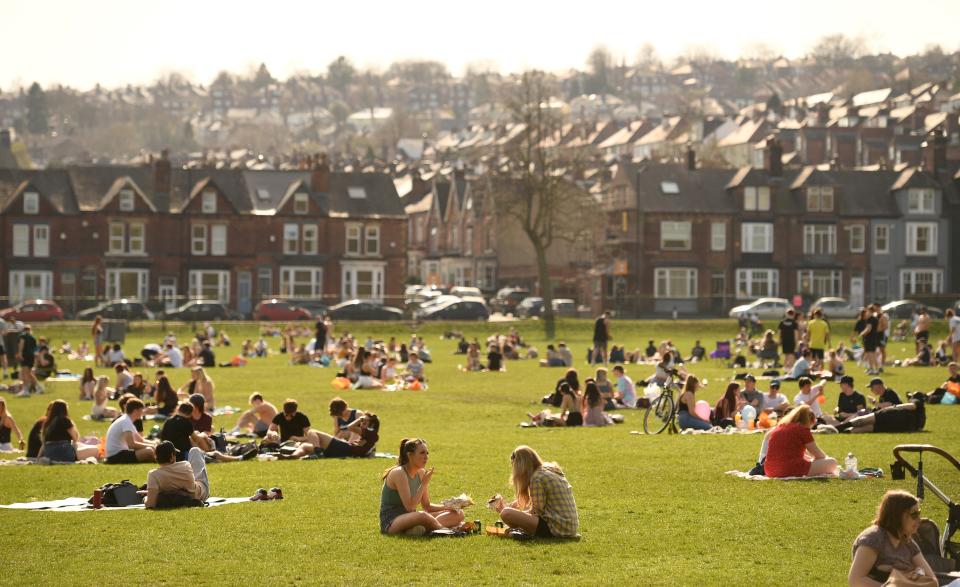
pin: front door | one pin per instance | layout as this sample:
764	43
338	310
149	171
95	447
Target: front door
167	291
244	292
856	292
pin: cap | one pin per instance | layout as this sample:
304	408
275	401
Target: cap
876	381
749	377
165	450
847	379
775	384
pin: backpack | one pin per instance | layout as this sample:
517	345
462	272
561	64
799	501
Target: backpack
220	441
120	494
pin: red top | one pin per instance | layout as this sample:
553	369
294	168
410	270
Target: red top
785	451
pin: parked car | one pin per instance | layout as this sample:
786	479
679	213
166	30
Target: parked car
565	308
281	310
464	291
507	299
458	309
529	307
34	311
836	307
363	310
904	309
201	310
316	307
764	308
121	309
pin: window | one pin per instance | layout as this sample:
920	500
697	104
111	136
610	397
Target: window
138	241
819	239
356	193
624	221
198	239
675	236
756	198
364	281
291	239
218	239
921	238
310	239
41	240
31	203
921	281
757	283
676	283
118	237
756	237
820	199
210	285
265	282
819	282
881	239
126	200
718	236
127	283
921	201
353	239
858	238
300	203
209	203
669	187
468	241
25	285
21	240
301	282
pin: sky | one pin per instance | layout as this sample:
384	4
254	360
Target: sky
132	41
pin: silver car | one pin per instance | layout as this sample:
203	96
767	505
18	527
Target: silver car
764	308
836	307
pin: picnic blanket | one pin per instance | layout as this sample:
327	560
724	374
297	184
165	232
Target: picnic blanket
64	377
46	461
79	504
749	477
719	430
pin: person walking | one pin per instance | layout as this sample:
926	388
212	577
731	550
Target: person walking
601	336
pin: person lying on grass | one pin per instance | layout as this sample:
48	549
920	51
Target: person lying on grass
888	544
544	504
791	450
364	432
186	478
406	486
908	417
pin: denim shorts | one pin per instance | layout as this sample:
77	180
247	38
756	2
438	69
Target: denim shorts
388	515
61	451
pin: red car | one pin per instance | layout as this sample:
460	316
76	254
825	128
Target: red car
34	311
280	310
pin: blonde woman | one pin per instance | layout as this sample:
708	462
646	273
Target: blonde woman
7	425
101	393
200	383
544	504
791	449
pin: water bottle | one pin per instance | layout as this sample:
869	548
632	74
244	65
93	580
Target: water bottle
850	466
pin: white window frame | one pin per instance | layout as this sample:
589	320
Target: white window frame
291	239
288	281
208	202
117	238
372	237
311	239
818	197
752	277
750	232
912	229
41	240
18	288
301	203
908	281
195	287
198	240
819	239
21	240
218	239
353	236
31	203
858	238
666	278
921	200
718	236
676	231
877	238
113	277
756	198
125	200
830	279
350	290
137	245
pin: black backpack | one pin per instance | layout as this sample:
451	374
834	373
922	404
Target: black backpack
118	495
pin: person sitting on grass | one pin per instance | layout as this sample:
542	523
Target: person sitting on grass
606	389
626	394
8	425
179	429
200	383
60	438
725	410
124	445
850	403
923	358
687	416
593	401
885	397
494	359
570	405
553	358
774	401
888	544
183	478
342	416
697	353
949	387
288	425
415	368
405	487
544	506
88	384
258	418
364	433
101	394
791	450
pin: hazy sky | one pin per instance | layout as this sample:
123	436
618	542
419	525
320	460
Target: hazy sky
133	41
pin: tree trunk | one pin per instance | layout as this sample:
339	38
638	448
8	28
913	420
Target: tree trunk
546	292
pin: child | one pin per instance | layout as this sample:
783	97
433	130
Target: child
626	393
414	368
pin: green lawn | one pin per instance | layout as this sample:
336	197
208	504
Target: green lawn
653	510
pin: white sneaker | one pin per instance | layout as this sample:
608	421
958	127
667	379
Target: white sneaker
23	393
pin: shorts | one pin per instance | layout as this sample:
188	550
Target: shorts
543	530
789	348
27	361
883	340
922	336
388	515
599	344
338	449
60	451
260	428
817	354
895	421
124	457
870	345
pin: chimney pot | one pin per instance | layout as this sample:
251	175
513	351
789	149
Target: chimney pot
773	155
161	173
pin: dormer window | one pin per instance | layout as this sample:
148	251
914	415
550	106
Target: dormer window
357	193
31	203
126	200
820	199
921	200
756	198
300	203
209	203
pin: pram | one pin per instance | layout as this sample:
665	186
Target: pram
947	549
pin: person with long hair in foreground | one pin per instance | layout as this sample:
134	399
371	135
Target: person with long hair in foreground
887	546
406	486
544	504
790	443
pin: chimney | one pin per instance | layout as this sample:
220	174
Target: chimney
934	153
773	156
161	173
5	141
419	186
691	158
320	175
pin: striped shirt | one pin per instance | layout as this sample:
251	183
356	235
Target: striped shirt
551	498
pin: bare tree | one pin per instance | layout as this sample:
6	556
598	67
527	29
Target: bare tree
837	49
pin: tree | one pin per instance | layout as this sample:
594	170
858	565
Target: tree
648	58
262	78
535	191
37	115
340	74
599	63
837	49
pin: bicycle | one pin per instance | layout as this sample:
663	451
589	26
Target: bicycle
661	414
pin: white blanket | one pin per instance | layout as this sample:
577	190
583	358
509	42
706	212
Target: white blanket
749	477
79	504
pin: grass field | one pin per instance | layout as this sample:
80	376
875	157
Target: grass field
654	510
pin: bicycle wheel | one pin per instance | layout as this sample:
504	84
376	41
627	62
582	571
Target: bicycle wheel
659	414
